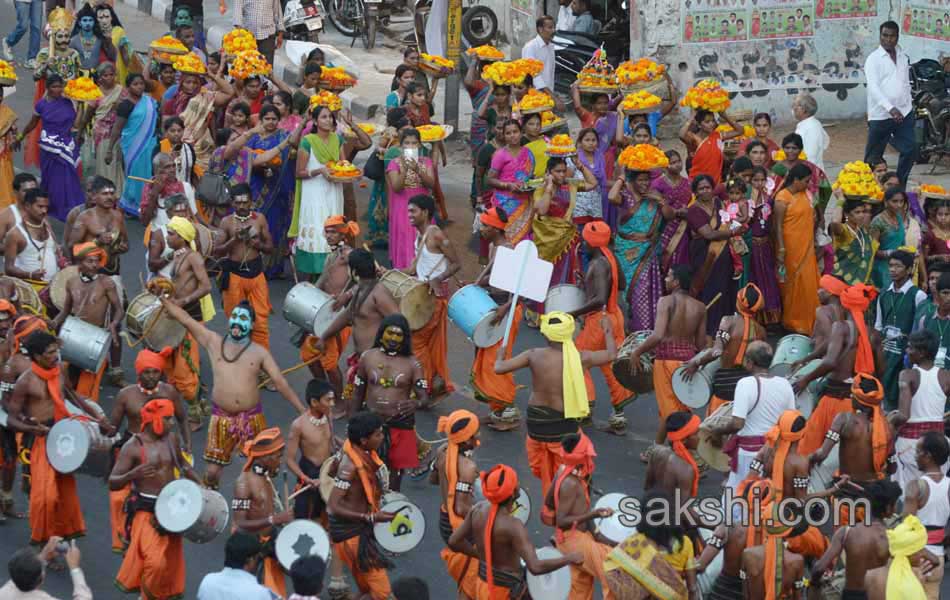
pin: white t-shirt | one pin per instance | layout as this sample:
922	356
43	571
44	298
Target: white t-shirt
776	397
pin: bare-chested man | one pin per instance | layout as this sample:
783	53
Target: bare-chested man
237	415
256	507
906	542
501	564
93	298
556	402
161	256
74	213
760	575
673	469
391	383
155	559
827	314
679	333
11	216
30	250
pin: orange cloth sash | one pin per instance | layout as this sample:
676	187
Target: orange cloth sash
748	313
680	449
781	437
498	485
367	478
446	424
880	437
856	299
55	388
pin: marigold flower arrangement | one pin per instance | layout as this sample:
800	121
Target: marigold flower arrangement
747	130
597	73
343	168
336	78
549	120
189	63
561	145
249	64
640	71
857	180
531	66
486	52
780	155
927	189
274	162
431	133
7	73
325	98
708	95
237	41
639	101
368	128
534	101
511	72
168	45
643	157
82	89
436	64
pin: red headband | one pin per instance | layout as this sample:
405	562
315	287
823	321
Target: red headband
597	234
147	359
154	411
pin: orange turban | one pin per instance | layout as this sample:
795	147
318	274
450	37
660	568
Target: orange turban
597	234
498	485
459	427
264	443
781	437
7	308
832	285
856	299
490	217
147	359
880	438
582	456
24	326
154	411
677	437
339	222
747	312
85	249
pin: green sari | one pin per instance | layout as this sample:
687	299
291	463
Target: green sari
854	255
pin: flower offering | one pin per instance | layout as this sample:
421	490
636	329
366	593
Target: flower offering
168	45
487	53
561	145
857	180
708	95
643	157
325	98
343	169
248	64
431	133
639	71
237	41
534	101
438	65
82	89
639	102
7	73
336	78
189	63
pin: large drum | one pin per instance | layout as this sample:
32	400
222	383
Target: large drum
310	308
521	509
205	239
565	298
612	527
822	476
413	297
197	513
807	399
77	446
472	310
710	452
326	479
555	585
642	382
57	286
300	538
406	531
28	298
84	345
146	320
696	392
790	349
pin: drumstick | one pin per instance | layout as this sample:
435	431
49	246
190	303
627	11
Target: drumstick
142	179
267	379
298	492
286	492
378	266
293	266
714	300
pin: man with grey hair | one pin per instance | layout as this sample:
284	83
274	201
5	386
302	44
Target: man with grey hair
810	128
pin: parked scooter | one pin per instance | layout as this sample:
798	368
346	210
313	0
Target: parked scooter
929	87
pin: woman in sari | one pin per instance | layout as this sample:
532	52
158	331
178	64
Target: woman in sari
761	255
237	170
818	185
794	222
8	143
893	227
59	152
710	260
936	239
405	76
56	59
762	123
555	233
676	193
535	142
387	148
760	156
855	246
317	198
134	129
408	174
102	114
195	104
605	122
593	205
511	168
637	246
705	143
283	102
418	111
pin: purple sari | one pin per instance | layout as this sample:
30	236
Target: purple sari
762	260
675	239
59	156
598	167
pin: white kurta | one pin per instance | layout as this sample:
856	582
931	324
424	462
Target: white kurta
319	200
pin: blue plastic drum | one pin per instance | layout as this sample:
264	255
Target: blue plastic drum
471	309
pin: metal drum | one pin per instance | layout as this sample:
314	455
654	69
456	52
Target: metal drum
642	382
77	446
84	345
555	585
521	509
146	320
310	308
413	297
197	513
403	533
326	480
707	578
205	239
57	287
564	298
612	527
696	392
790	349
710	452
300	538
472	310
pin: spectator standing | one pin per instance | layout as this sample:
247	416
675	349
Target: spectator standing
238	579
306	573
264	19
541	47
28	13
584	21
889	102
190	12
813	133
28	569
565	16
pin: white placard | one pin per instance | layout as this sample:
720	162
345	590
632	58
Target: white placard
535	276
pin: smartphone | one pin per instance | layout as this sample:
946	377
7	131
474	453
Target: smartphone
410	153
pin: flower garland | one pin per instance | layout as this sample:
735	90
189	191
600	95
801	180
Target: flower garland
82	89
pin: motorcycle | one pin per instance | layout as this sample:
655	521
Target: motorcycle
362	18
929	89
303	20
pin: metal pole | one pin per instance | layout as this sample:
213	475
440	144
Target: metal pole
636	39
454	52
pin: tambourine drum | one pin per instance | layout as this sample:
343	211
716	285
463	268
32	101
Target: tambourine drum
711	453
326	480
472	309
403	533
642	382
612	527
28	297
555	585
565	298
301	538
790	349
145	317
84	345
413	297
522	506
57	286
205	239
696	392
197	513
77	446
309	307
707	579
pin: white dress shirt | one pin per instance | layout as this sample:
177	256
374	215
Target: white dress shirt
815	139
536	48
888	84
565	18
230	584
81	591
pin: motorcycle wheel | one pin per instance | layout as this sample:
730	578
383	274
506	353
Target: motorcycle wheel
369	31
340	17
479	25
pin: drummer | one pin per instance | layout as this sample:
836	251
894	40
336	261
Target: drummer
436	262
30	249
733	337
155	559
771	570
256	507
160	254
676	472
93	298
827	314
73	214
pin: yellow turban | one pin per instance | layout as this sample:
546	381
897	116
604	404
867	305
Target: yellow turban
187	231
904	540
576	405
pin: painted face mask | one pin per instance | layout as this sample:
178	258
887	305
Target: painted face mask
393	338
183	18
240	320
87	23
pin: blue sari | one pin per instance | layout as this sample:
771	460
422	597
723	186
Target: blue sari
270	192
138	142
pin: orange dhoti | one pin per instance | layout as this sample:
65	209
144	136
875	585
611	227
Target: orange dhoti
666	400
117	500
254	290
182	372
592	339
508	586
273	578
154	563
430	346
89	383
584	574
819	423
374	582
329	359
544	458
497	390
54	503
463	569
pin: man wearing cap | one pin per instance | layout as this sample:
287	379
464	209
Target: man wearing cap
129	402
93	298
454	471
556	403
602	283
501	541
154	562
256	507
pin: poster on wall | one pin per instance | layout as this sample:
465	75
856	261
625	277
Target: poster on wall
845	9
786	20
926	21
704	26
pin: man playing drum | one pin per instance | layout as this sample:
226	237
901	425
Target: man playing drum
772	571
129	402
38	401
256	507
154	561
161	257
454	471
391	383
30	250
675	472
93	298
354	505
12	215
827	314
73	214
499	541
435	263
237	414
556	402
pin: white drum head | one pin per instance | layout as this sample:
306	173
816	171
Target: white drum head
694	393
67	445
179	505
555	585
611	527
487	335
522	506
301	538
403	533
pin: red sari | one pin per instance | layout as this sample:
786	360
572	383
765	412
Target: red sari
708	158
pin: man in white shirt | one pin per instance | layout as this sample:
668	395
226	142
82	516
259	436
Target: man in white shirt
541	47
237	580
890	106
565	16
27	570
810	128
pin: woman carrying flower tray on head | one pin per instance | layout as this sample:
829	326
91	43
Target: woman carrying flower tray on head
418	111
676	193
705	143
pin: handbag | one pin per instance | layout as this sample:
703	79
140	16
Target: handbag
214	189
375	167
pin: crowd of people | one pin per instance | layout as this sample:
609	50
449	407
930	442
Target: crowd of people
732	242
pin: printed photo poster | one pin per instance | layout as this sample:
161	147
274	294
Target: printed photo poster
782	20
702	25
926	20
845	9
757	68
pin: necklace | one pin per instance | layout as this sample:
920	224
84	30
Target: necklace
858	235
243	219
146	391
233	360
37	226
318	422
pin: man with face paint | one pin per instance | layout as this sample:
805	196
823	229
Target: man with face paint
392	383
88	40
57	58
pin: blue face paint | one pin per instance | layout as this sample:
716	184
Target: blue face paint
87	23
240	319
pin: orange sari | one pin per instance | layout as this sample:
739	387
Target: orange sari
708	158
800	290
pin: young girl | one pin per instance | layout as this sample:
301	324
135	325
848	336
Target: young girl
419	113
762	122
704	143
592	205
735	214
761	255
